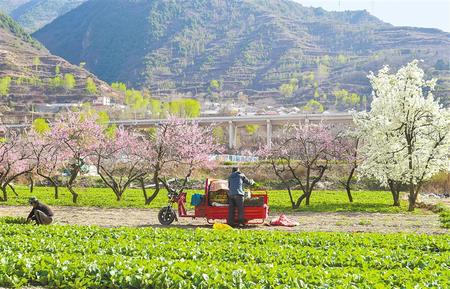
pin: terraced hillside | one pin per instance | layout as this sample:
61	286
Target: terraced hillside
277	49
29	74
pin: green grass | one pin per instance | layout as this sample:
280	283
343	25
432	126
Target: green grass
91	257
321	201
337	201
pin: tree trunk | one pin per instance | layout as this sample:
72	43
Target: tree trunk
307	199
395	191
348	185
299	201
74	194
73	176
412	198
148	200
5	194
349	194
14	190
396	197
55	187
31	183
290	197
53	182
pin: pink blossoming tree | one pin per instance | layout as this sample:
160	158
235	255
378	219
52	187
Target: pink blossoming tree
119	160
48	157
16	159
193	147
179	145
347	159
80	134
300	157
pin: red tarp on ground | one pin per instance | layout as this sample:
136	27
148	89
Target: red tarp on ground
282	220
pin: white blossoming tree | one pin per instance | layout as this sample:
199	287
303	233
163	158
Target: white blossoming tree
406	134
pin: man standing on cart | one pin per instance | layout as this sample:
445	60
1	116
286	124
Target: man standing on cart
236	193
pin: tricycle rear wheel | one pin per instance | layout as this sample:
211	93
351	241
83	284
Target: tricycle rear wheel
166	216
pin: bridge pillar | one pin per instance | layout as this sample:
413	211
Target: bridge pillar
232	131
269	133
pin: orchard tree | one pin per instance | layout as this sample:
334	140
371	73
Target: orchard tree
346	155
119	160
48	155
407	133
194	145
300	157
178	144
80	134
156	152
15	160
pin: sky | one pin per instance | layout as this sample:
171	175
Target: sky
417	13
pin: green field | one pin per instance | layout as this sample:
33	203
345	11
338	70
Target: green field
92	257
321	201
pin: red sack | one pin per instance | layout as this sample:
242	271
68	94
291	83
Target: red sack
282	220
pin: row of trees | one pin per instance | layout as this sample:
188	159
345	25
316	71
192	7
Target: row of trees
66	82
403	141
78	139
301	155
141	102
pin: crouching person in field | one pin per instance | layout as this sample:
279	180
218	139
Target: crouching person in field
41	213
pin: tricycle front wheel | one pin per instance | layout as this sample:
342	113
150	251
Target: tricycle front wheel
166	216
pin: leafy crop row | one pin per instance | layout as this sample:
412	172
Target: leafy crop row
444	217
92	257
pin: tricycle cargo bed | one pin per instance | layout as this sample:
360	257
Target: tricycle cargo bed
256	210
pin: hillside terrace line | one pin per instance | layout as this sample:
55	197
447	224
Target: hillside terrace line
234	122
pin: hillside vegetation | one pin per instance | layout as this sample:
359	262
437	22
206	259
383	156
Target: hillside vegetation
271	50
30	75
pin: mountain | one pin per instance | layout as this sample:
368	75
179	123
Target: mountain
34	14
9	5
271	51
30	75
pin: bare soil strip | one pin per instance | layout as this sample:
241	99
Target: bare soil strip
309	221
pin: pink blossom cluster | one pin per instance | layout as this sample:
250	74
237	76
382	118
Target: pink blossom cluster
78	139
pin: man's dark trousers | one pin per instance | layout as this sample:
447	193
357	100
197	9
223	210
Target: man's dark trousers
235	201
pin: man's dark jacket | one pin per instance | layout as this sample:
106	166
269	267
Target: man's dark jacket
235	183
43	208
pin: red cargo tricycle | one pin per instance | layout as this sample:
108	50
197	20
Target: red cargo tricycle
212	208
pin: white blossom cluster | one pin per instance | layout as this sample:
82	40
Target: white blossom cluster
406	135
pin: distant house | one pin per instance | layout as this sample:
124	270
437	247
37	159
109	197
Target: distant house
103	101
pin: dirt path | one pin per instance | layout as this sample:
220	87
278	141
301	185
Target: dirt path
309	221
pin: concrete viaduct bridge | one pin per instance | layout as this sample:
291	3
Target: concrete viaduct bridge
236	122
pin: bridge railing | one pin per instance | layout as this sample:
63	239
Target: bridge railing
234	158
